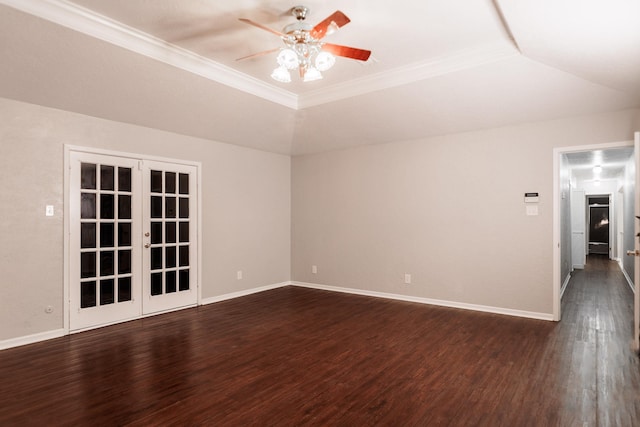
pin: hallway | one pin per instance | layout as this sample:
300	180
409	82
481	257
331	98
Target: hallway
597	327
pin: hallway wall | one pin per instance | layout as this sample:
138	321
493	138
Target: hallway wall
629	216
566	264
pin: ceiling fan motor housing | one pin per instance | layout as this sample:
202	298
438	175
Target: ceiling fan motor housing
299	27
300	12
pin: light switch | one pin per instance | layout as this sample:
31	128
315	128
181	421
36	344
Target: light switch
49	210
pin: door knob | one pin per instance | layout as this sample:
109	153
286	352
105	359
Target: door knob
147	245
633	253
146	234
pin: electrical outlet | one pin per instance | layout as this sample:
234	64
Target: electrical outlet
48	210
239	275
407	278
314	269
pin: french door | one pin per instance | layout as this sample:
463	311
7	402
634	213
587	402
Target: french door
133	238
169	237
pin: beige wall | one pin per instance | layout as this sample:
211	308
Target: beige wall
448	210
245	208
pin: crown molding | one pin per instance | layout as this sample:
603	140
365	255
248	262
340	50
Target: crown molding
461	60
83	20
101	27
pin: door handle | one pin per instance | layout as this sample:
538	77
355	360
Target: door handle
147	246
633	253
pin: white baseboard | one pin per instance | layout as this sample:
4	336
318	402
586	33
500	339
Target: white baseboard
42	336
442	303
629	281
564	285
30	339
243	293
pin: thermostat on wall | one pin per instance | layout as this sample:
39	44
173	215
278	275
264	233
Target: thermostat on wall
531	197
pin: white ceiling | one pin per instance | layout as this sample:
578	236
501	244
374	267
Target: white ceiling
612	162
437	67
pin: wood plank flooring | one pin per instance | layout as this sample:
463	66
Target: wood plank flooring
296	356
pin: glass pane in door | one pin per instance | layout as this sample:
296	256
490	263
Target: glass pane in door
104	235
165	208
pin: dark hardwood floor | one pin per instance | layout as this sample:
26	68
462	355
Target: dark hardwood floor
296	356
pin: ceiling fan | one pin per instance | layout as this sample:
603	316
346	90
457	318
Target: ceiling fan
304	48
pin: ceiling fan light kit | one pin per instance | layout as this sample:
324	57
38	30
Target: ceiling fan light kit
304	49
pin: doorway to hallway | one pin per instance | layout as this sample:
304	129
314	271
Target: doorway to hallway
595	177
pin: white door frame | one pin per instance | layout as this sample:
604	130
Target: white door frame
67	225
636	240
557	235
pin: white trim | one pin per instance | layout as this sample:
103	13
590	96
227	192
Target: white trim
232	295
29	339
564	285
460	60
68	149
626	276
106	29
636	246
66	232
430	301
557	239
86	21
557	152
33	338
43	336
129	155
199	225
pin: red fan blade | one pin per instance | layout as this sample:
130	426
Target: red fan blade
329	25
253	55
255	24
346	51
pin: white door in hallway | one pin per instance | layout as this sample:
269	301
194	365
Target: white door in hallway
578	238
132	238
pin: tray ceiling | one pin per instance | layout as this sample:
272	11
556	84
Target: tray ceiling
437	66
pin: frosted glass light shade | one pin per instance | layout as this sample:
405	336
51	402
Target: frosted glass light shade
324	61
312	74
281	74
288	59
